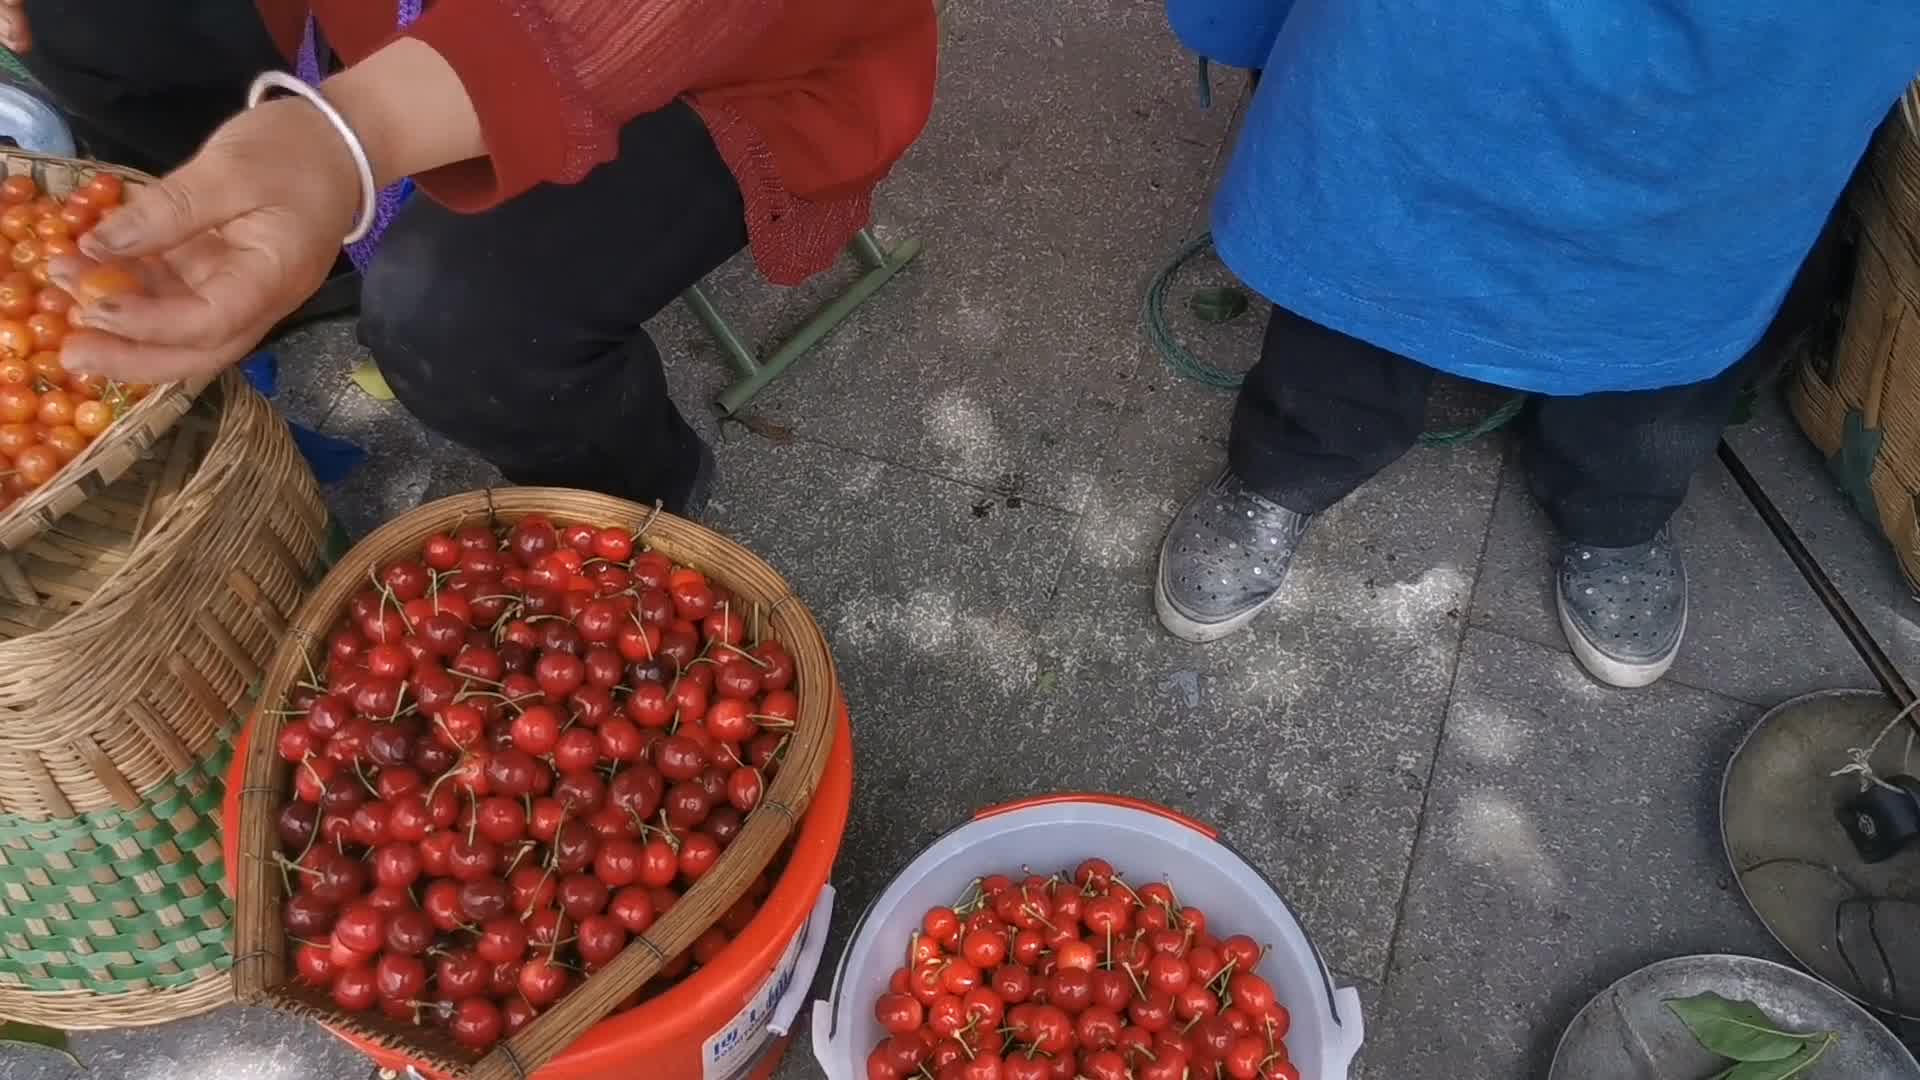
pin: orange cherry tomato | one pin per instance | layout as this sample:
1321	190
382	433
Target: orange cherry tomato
53	301
16	437
77	217
16	223
15	372
107	279
15	338
92	418
91	387
26	254
104	190
36	465
41	274
47	329
55	246
47	365
18	403
16	300
18	190
50	226
67	441
56	408
44	205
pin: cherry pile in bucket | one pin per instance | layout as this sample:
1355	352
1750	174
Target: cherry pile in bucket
1078	975
524	746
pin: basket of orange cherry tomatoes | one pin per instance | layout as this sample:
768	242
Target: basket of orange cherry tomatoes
62	434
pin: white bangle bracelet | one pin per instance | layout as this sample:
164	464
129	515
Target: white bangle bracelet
270	81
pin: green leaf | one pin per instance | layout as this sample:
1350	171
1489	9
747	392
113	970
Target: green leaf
1218	305
1737	1029
37	1038
1788	1068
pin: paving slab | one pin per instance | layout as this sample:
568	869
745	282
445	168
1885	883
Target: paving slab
1571	837
227	1044
314	361
406	464
1307	739
1754	631
1062	169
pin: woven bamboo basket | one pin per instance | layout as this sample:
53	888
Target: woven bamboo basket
131	437
261	973
149	612
1859	399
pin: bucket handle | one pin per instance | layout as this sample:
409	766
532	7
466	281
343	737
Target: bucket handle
1121	801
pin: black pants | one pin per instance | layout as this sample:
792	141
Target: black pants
1320	413
518	332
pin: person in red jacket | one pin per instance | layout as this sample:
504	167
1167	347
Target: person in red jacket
585	163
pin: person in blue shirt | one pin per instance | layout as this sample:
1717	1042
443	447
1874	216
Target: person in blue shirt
1603	203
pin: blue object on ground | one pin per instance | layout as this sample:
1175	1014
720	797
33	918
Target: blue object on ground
1553	196
262	369
330	458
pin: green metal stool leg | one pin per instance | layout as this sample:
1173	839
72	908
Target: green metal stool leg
880	266
738	356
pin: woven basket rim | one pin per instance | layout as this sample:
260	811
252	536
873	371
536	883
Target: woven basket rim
261	972
103	460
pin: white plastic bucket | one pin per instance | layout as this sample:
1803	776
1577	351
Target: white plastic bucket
1056	832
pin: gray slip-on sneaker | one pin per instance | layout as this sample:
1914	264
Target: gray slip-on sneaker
1624	610
1224	559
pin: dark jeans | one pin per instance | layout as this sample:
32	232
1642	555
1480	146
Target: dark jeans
518	332
1320	413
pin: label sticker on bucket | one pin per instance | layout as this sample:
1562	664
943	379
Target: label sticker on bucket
733	1052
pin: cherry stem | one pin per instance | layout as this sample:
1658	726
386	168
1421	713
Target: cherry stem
763	665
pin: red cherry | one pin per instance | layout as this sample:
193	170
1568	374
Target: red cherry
361	927
618	863
659	864
543	982
559	674
477	1023
537	729
312	966
502	941
409	932
397	865
699	853
600	938
634	908
355	989
582	895
744	789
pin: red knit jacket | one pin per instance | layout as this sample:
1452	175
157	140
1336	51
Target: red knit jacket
809	101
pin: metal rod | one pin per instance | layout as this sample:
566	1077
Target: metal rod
1858	635
825	321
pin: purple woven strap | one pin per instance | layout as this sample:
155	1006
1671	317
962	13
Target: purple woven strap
307	67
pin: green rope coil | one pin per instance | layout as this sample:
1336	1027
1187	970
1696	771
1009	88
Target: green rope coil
87	903
1191	367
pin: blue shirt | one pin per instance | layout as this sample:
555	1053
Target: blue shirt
1559	196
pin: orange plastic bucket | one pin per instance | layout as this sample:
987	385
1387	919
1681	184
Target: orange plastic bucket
717	1024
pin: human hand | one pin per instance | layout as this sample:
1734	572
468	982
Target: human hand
223	247
13	26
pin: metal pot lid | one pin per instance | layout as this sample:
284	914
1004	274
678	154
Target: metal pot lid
1854	924
1628	1033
